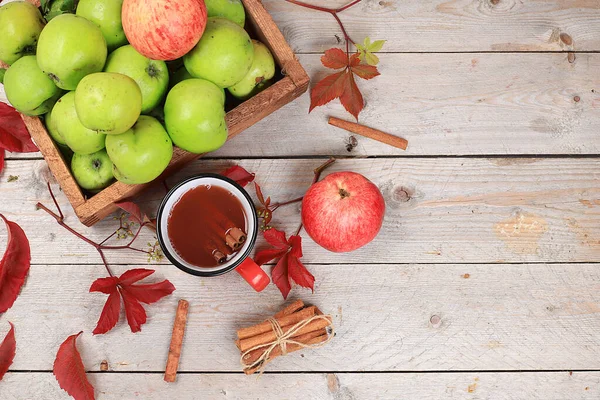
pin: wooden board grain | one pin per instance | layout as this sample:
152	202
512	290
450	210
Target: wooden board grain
447	104
445	25
452	317
438	210
325	386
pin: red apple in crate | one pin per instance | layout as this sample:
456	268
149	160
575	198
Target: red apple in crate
163	29
343	212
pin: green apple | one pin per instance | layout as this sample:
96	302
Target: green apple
69	48
79	138
108	102
258	78
233	10
106	14
92	171
28	89
20	26
152	76
142	153
52	128
58	7
195	117
223	55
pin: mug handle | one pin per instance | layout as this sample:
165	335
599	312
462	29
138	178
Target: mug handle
253	274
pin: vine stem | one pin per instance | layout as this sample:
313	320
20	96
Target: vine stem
317	171
334	12
100	247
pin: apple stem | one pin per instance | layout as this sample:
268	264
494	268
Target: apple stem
333	11
100	247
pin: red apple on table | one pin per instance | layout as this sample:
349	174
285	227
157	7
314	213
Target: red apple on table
163	29
343	212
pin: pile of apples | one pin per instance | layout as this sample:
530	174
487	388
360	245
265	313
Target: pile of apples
122	81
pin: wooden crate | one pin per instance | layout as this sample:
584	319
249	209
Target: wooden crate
293	84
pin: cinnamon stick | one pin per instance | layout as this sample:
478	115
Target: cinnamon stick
267	337
238	235
255	354
371	133
291	308
290	349
285	320
176	341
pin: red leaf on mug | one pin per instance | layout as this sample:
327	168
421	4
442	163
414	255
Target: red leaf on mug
8	348
238	174
70	372
14	266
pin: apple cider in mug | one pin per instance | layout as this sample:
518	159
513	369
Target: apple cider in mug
207	226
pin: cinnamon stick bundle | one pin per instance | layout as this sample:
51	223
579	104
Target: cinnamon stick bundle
293	328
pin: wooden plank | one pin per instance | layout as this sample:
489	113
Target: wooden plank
438	209
414	318
450	104
486	385
445	25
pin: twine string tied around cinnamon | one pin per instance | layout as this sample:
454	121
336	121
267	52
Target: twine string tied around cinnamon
285	338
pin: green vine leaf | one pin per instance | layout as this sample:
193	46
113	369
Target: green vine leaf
367	49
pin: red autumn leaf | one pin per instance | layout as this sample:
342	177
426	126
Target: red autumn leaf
135	313
299	274
264	256
70	372
329	88
259	194
365	71
13	133
279	274
150	293
132	209
239	174
354	60
105	285
352	99
288	268
334	58
8	348
110	314
133	275
276	238
14	266
123	287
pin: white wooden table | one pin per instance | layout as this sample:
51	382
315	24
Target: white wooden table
484	282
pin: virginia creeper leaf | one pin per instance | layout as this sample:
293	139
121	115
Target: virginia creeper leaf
8	348
132	209
135	313
329	88
150	293
296	246
352	99
334	58
14	266
105	285
70	372
110	314
239	174
299	274
276	238
264	256
367	49
259	194
279	274
365	71
13	133
133	275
